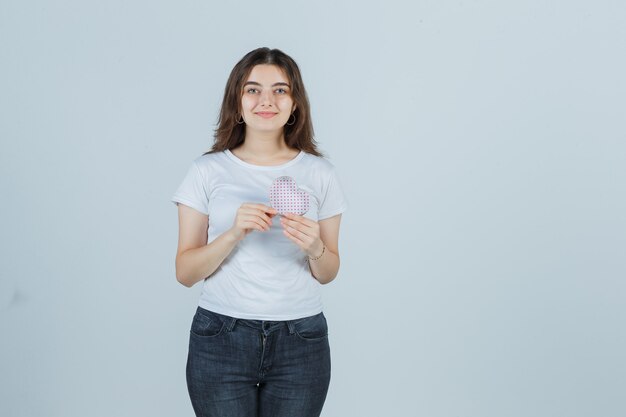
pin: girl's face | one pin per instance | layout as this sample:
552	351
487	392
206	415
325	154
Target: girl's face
266	101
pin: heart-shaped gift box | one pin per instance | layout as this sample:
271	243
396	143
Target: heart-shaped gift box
286	197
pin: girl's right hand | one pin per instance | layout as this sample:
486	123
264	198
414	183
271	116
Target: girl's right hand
252	216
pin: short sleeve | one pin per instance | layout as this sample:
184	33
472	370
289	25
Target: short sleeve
192	192
334	201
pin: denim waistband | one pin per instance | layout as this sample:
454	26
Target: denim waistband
262	325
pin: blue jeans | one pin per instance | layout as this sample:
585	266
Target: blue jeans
254	368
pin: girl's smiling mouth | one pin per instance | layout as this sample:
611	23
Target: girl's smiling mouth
266	115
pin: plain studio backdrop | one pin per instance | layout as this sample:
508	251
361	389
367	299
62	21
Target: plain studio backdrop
482	148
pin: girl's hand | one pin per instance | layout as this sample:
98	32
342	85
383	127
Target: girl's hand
251	216
303	232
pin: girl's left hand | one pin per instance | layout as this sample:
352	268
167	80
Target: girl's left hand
303	232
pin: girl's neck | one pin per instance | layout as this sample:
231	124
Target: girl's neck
264	146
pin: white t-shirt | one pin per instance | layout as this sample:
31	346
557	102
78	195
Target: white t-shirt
266	276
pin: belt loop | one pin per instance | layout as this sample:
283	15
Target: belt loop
231	323
291	326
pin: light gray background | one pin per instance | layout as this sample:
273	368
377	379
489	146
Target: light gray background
482	148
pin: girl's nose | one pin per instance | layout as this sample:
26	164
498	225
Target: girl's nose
266	97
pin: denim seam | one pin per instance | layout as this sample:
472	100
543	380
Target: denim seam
231	324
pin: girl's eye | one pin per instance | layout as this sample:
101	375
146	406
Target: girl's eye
251	90
281	91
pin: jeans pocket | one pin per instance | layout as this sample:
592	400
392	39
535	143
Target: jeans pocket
205	324
311	328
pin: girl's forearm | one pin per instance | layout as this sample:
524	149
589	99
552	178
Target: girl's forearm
326	267
196	264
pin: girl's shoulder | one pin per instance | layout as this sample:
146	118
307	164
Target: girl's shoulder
319	162
208	159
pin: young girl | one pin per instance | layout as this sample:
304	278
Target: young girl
259	222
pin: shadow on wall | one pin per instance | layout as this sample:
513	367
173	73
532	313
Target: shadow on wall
10	296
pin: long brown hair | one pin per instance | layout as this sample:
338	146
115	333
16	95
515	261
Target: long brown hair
229	134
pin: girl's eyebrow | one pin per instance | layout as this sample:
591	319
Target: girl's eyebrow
273	85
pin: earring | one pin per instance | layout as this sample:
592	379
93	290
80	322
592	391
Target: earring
294	120
238	122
